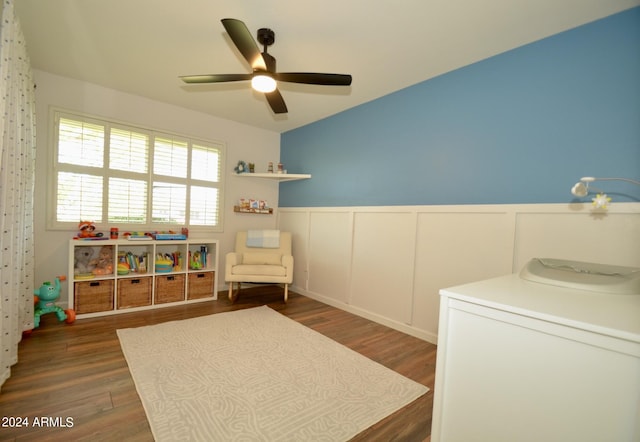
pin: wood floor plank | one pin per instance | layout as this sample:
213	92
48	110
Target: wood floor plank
78	371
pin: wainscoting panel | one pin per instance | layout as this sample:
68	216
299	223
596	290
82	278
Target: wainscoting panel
383	248
613	238
456	248
297	222
389	263
330	242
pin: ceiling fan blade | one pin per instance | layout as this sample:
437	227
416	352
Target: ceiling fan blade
245	43
276	102
315	78
215	78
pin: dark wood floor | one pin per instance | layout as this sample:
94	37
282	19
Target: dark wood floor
78	371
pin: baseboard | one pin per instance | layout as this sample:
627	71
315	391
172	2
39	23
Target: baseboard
404	328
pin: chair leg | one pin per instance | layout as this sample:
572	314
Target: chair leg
286	292
233	296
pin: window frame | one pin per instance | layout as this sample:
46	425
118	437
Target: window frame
55	168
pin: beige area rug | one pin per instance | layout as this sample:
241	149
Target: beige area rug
256	375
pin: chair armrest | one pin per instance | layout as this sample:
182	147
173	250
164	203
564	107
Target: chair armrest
233	258
287	262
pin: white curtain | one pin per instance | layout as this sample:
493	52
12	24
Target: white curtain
17	174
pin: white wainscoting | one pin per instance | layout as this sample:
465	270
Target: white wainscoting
389	263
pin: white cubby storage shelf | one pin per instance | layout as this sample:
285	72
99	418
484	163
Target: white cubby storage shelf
156	274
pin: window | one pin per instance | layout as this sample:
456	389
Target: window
136	178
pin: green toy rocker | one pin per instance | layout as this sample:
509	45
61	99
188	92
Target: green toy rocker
45	302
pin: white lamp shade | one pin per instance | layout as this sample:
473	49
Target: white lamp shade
580	189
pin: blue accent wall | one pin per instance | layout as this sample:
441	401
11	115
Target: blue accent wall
520	127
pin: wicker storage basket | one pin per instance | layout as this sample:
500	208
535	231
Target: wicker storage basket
200	285
93	296
169	288
134	292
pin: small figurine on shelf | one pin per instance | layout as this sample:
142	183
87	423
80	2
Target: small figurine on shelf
195	260
241	167
270	169
87	230
252	167
244	204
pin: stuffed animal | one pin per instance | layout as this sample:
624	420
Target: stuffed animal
88	230
104	263
83	260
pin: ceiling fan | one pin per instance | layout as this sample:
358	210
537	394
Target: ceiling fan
264	77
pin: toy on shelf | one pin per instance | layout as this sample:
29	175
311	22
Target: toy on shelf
250	205
241	167
103	265
45	302
83	260
138	236
198	259
88	230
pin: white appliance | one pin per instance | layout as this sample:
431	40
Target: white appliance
552	354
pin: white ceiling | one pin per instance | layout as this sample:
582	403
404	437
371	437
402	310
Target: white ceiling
142	46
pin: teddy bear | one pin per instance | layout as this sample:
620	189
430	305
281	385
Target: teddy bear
103	265
82	260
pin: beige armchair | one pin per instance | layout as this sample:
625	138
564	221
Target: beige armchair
256	261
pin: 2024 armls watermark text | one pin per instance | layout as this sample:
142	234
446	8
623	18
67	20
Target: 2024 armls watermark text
36	422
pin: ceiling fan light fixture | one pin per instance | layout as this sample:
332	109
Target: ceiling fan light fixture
264	74
263	83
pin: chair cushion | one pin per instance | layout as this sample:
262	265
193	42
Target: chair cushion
261	258
258	270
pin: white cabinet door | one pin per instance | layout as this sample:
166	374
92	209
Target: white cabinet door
506	377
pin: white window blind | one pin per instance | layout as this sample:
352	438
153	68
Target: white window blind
118	175
170	158
128	151
169	203
205	163
127	201
80	143
79	197
204	207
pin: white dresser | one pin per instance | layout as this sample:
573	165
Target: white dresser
525	361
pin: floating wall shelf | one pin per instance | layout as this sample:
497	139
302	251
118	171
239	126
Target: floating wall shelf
276	176
239	209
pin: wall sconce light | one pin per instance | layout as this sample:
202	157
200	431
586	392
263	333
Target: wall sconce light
601	200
